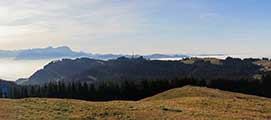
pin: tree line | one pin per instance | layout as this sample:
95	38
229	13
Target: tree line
134	90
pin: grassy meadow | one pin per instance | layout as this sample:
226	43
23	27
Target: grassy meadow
193	103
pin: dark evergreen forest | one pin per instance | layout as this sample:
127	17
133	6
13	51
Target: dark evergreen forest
128	90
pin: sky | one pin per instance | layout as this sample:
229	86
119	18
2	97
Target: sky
235	27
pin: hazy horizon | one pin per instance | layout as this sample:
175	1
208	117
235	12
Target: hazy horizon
215	55
144	27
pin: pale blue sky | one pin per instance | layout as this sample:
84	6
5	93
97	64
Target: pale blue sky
237	27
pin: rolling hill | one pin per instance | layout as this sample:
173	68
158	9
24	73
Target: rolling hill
188	102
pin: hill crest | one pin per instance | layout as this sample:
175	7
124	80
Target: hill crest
193	91
214	104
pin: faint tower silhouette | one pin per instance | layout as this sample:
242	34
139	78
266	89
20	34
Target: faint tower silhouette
133	55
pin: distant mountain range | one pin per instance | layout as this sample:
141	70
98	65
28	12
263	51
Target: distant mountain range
66	52
42	53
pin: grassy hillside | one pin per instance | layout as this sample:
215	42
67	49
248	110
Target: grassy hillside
211	60
182	103
190	91
266	64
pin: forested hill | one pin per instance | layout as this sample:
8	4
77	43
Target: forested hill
5	88
6	83
90	70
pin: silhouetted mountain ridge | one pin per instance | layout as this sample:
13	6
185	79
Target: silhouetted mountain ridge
90	70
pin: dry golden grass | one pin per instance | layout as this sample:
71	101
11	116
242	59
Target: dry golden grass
265	64
211	60
187	103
